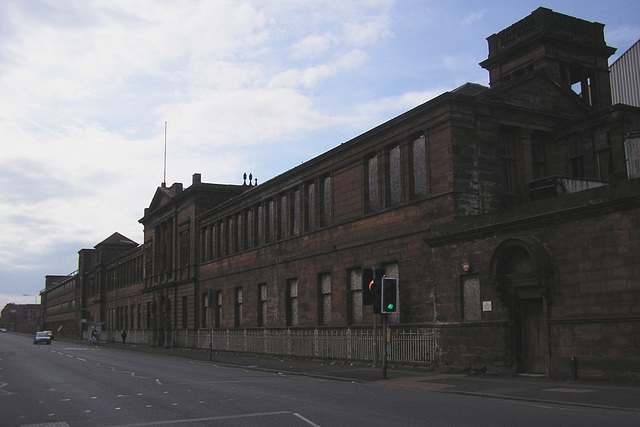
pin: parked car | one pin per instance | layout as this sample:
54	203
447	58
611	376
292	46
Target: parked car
3	330
42	338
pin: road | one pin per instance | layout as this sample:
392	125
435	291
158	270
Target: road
83	385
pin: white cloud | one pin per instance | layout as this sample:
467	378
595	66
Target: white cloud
312	76
368	32
473	17
312	47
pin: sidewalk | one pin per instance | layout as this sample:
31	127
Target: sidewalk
593	394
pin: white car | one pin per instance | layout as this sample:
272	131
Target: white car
42	338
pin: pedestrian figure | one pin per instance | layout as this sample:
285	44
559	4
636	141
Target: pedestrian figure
124	336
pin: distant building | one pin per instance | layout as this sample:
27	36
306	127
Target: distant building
510	215
69	302
20	317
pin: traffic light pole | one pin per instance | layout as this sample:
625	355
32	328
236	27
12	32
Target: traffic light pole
375	331
385	331
375	340
212	313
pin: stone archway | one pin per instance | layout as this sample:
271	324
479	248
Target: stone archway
521	269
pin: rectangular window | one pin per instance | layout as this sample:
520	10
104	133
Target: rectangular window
218	311
355	296
262	305
219	236
419	165
185	311
310	207
231	236
240	231
271	221
507	159
326	200
538	155
372	195
324	303
248	229
224	238
471	298
577	167
394	177
148	320
282	217
576	157
260	226
238	306
203	311
184	247
292	302
296	212
603	154
632	155
204	255
211	241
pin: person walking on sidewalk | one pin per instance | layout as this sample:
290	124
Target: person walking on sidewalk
124	336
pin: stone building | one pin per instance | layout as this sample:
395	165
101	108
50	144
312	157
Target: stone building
510	215
171	262
20	317
90	294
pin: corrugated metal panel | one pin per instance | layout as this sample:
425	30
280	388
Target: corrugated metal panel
625	77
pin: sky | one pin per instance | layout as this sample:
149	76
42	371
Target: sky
260	87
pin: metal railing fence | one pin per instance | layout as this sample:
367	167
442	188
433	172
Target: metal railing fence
412	346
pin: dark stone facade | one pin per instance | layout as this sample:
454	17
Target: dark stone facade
507	213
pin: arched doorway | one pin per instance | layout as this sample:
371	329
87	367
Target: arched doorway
521	269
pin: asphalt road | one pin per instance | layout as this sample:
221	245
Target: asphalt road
84	385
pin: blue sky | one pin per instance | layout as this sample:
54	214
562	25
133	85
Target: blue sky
244	86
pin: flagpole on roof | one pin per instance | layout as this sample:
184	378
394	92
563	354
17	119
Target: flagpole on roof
164	180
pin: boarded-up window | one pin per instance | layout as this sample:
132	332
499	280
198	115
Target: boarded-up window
326	200
373	199
296	210
419	165
238	313
282	221
355	294
262	304
471	298
325	299
632	152
292	302
395	176
310	206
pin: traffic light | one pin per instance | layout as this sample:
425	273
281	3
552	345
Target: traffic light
367	285
389	295
371	284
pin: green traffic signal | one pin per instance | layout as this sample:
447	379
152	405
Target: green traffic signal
389	294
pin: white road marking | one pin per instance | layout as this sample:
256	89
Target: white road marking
306	420
114	369
222	417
